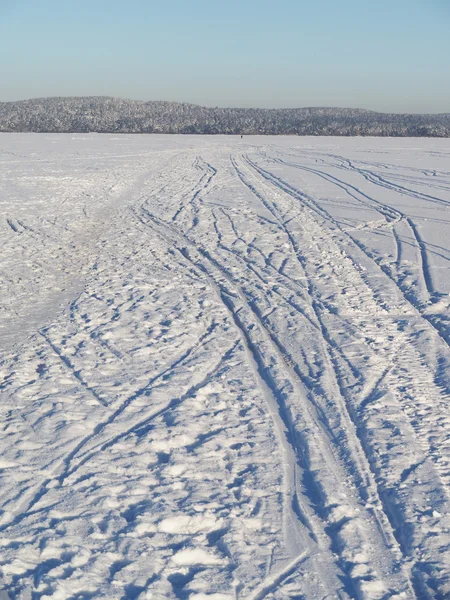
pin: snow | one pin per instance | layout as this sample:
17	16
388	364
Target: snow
224	367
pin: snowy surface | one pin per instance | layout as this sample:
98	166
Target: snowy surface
224	367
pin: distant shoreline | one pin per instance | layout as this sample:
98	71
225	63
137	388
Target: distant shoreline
114	115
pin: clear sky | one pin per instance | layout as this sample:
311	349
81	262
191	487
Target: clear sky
386	55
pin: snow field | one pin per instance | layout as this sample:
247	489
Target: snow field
225	368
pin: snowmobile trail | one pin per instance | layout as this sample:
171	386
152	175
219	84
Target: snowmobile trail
225	368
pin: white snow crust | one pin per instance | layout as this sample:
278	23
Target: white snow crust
224	367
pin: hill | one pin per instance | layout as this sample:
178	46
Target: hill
115	115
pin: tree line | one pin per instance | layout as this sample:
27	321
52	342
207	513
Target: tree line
114	115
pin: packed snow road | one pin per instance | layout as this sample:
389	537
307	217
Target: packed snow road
225	368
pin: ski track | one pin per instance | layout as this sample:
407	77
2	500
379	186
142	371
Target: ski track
224	368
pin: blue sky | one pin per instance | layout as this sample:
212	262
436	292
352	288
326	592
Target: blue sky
386	55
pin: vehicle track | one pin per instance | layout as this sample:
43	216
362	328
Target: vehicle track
411	296
242	397
359	419
279	354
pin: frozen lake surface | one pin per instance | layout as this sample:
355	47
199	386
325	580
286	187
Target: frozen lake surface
225	367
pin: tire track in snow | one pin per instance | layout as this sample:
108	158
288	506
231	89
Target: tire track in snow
67	469
307	455
410	293
72	370
100	427
364	465
142	423
409	297
422	582
392	216
304	369
294	516
271	583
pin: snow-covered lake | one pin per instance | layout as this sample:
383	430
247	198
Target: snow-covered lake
225	367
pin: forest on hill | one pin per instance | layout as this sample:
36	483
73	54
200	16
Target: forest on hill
115	115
